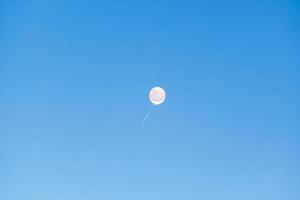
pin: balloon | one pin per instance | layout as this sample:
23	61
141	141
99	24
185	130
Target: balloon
157	95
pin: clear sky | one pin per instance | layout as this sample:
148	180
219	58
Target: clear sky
74	79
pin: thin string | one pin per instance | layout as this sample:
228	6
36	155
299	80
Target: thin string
145	118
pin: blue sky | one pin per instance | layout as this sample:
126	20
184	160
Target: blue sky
74	79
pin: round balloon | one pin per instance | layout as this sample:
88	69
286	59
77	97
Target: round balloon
157	95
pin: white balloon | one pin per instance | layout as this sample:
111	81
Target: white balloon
157	95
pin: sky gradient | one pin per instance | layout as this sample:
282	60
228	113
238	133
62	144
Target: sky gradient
74	80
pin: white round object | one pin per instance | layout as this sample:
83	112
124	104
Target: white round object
157	95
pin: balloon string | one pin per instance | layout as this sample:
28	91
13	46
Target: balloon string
145	119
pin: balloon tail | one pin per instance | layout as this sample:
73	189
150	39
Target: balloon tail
146	117
144	121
